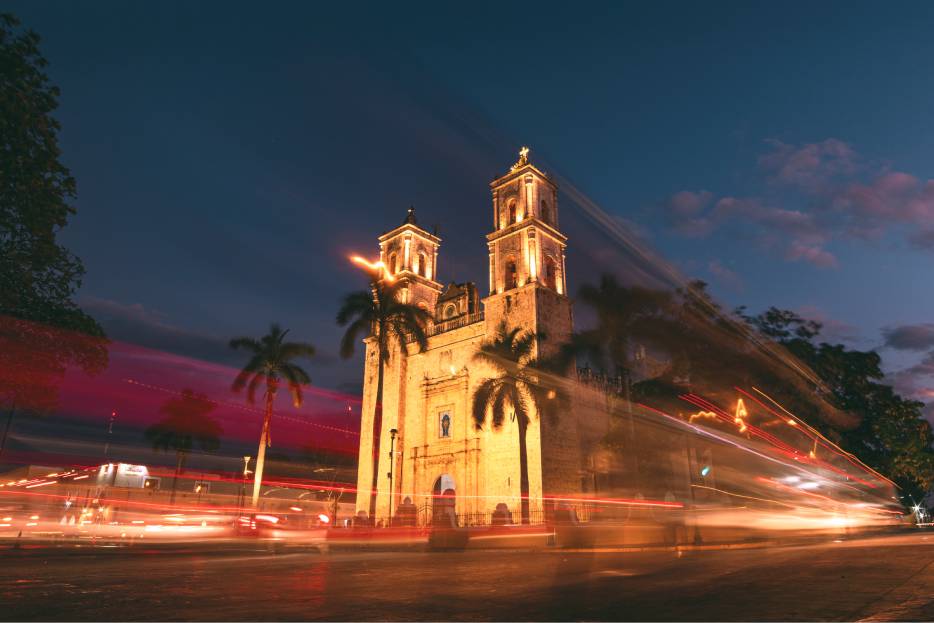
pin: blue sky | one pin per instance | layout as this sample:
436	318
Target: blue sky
229	157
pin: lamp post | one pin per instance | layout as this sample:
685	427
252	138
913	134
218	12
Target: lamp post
110	432
246	471
392	447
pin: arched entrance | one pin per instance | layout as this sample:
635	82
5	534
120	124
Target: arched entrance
443	500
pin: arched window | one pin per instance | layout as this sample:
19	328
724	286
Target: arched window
422	264
511	278
546	214
512	212
551	271
392	264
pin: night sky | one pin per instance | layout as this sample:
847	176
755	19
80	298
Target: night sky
230	156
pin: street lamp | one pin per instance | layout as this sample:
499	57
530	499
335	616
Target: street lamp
392	446
246	471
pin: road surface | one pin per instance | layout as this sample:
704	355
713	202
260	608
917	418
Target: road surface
882	578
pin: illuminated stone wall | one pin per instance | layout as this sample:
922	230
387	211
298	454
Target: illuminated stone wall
423	386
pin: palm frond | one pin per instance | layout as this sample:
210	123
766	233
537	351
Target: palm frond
295	374
252	366
500	401
359	327
254	383
523	345
482	400
358	305
295	389
296	378
519	404
294	350
247	343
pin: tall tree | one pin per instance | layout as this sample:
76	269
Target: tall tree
624	315
38	277
381	315
891	436
271	362
186	423
519	388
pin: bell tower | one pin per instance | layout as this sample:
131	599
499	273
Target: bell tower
527	278
410	255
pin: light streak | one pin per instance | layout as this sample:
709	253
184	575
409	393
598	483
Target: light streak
246	409
830	445
376	267
741	414
812	453
703	414
748	497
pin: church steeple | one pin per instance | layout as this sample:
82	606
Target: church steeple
410	255
526	245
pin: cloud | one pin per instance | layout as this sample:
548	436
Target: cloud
814	193
870	209
812	254
797	235
916	337
135	324
811	166
687	213
917	382
923	240
832	330
724	275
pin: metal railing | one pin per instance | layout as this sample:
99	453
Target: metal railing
449	325
474	520
606	383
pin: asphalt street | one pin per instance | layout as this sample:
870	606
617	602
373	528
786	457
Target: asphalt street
881	578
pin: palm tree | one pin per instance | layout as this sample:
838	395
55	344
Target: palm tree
381	315
271	361
186	422
519	384
623	313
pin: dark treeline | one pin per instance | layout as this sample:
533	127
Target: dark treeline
663	344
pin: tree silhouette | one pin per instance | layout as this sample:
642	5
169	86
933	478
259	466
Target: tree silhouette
382	315
270	362
519	389
186	424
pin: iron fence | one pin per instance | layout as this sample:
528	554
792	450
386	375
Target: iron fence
449	325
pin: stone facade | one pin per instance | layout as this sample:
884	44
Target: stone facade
427	395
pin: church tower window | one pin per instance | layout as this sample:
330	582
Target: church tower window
550	271
512	212
546	215
392	263
511	277
422	264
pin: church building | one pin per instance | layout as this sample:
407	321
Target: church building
428	443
